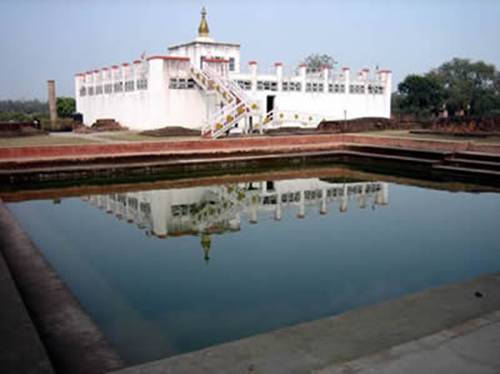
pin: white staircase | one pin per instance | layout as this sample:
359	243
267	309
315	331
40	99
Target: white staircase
237	105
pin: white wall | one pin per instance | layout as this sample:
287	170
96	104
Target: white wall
159	106
196	50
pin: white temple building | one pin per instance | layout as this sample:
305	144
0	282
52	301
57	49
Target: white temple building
201	85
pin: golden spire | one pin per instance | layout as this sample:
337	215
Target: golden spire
206	243
203	28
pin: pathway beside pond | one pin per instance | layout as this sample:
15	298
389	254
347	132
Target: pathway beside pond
441	328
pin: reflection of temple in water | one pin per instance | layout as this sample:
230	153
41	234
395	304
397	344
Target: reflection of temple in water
218	209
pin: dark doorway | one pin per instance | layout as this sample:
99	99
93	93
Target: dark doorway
270	105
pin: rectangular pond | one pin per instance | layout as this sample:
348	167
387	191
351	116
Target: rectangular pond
168	271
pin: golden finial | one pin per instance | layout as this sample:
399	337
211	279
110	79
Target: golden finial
203	28
206	243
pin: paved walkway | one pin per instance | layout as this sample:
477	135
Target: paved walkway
21	350
470	348
326	345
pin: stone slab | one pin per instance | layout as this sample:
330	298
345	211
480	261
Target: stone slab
326	342
21	350
470	348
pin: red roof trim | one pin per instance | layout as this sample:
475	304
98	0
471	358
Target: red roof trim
125	64
385	71
96	71
365	69
324	66
137	61
302	66
79	75
171	58
278	64
105	69
252	62
346	68
114	67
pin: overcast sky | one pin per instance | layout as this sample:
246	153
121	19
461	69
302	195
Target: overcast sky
54	39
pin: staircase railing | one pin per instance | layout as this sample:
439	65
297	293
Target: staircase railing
238	104
209	84
228	120
275	118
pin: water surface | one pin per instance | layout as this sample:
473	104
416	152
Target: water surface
164	272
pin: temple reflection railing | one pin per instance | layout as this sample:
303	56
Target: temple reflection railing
219	209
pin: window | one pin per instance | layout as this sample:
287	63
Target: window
108	88
98	90
231	64
291	86
314	87
181	83
118	87
129	86
83	91
142	84
244	84
91	90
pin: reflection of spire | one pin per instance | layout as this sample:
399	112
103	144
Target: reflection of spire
203	28
206	243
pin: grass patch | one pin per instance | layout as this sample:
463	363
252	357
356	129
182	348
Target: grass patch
132	136
42	140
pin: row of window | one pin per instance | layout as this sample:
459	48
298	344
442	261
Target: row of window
288	86
141	84
181	83
317	194
314	87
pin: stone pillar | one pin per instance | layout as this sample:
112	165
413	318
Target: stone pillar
279	75
322	209
51	85
343	205
347	83
326	71
253	73
253	213
277	212
362	197
343	200
385	193
302	74
302	208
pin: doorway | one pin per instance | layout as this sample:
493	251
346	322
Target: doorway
270	104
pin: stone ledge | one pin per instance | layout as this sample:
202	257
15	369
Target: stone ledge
326	342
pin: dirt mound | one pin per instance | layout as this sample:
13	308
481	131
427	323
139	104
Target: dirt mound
172	131
100	125
365	124
15	129
466	126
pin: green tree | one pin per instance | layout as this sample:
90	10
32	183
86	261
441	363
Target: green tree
470	86
420	95
65	106
315	62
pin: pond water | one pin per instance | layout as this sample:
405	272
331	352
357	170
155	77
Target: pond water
164	272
